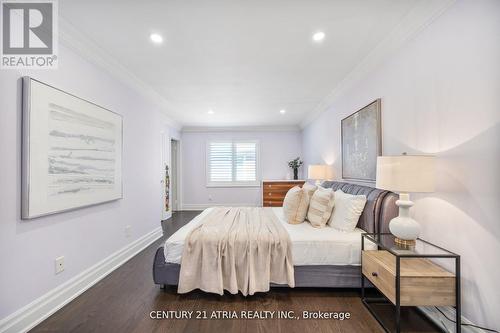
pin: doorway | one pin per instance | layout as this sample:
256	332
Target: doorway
166	209
174	161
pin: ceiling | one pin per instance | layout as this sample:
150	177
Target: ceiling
245	60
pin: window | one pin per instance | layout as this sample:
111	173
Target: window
233	163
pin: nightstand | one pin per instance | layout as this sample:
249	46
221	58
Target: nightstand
407	277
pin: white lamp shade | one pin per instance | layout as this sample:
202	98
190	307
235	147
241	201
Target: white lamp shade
406	173
317	171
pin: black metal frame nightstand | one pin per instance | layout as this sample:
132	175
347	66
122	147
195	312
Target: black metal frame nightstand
422	249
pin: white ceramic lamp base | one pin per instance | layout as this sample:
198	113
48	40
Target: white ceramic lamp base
404	227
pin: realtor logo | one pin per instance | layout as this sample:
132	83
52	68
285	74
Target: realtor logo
29	34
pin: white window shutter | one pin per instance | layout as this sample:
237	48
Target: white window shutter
245	161
232	163
220	162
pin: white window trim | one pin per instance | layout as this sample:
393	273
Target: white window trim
257	181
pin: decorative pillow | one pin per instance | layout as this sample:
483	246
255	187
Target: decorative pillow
295	205
320	207
310	189
348	209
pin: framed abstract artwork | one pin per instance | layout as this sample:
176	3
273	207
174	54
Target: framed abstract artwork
72	151
361	143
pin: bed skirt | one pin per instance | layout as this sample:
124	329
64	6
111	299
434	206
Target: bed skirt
319	276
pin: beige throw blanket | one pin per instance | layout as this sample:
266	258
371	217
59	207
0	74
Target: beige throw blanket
237	249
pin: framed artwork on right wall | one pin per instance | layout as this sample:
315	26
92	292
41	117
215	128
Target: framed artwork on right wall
361	143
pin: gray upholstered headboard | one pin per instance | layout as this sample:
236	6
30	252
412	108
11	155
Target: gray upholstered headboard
380	205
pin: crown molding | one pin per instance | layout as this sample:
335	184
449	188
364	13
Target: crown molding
218	129
78	42
421	16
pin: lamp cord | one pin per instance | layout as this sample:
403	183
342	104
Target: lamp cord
465	324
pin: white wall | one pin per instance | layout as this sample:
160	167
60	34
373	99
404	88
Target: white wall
276	149
441	95
84	236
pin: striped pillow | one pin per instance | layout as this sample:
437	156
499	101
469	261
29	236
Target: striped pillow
295	205
310	189
320	207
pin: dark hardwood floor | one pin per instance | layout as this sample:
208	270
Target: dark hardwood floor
122	302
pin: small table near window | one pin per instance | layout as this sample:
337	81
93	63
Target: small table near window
406	276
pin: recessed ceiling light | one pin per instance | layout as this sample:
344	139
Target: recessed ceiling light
156	38
210	111
318	36
283	111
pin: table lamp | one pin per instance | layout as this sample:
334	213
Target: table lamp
317	172
404	174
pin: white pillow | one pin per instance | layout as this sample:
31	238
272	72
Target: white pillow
348	209
320	207
310	189
295	205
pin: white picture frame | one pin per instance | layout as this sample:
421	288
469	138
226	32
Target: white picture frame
72	151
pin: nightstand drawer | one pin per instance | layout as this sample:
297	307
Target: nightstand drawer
422	282
381	278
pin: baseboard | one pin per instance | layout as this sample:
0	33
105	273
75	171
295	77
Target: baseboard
441	321
205	206
34	313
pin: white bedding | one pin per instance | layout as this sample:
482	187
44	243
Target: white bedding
310	246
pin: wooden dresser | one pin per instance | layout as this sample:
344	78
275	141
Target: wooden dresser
274	191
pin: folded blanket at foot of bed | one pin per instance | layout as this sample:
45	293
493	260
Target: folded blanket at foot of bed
237	249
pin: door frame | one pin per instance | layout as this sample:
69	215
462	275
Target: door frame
166	137
178	204
164	160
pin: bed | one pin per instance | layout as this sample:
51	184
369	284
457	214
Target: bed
322	257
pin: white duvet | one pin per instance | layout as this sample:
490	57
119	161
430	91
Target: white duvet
310	246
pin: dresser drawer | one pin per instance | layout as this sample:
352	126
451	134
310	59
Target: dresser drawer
422	282
279	186
274	194
269	203
273	201
272	198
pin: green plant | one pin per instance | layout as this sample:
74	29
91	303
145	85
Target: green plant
295	163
